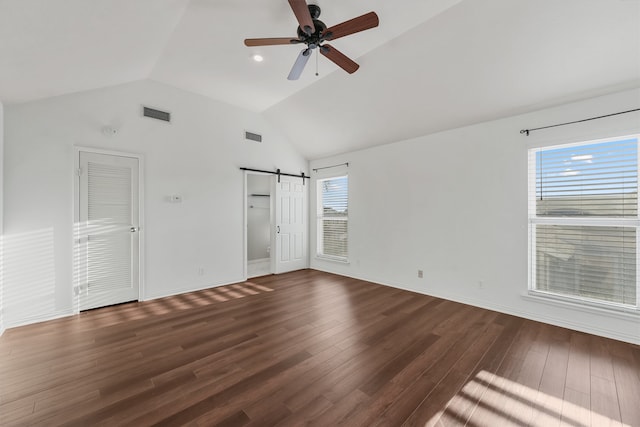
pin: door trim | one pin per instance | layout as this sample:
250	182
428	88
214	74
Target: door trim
75	294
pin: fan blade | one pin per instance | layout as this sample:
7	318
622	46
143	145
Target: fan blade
301	10
298	66
355	25
271	41
339	58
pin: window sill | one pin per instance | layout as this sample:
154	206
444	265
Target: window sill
332	259
585	306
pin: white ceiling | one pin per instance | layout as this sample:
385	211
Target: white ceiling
430	65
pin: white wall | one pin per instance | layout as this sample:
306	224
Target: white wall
454	204
197	156
2	327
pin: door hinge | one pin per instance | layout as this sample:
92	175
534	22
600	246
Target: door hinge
79	171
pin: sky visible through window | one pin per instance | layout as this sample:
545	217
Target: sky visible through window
603	168
334	194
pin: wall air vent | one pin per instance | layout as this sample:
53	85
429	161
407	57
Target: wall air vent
156	114
253	136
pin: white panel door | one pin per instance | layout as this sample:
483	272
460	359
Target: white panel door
109	243
291	224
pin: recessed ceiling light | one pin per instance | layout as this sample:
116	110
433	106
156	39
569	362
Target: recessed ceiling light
257	58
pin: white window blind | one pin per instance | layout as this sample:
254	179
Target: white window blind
333	215
583	220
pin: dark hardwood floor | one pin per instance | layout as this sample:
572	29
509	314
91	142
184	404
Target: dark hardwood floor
312	348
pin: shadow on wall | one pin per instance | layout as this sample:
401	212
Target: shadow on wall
29	275
105	263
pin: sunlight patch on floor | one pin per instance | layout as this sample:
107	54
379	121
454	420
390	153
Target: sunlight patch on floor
181	302
489	399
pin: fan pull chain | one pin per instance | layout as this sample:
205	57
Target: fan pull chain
317	62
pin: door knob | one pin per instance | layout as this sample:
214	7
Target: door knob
134	229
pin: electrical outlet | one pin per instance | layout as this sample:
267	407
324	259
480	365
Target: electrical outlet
420	274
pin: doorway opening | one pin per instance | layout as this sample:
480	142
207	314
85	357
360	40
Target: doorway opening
259	217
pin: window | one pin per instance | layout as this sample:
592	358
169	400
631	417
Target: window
583	222
333	214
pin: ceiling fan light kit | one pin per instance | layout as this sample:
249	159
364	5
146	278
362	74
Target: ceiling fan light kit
314	33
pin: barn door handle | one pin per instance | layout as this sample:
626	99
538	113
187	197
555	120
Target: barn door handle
278	229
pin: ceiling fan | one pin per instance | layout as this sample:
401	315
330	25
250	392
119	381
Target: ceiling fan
314	33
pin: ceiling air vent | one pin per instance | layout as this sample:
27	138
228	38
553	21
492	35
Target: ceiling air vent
156	114
253	136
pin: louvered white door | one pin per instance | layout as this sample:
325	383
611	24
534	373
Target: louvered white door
109	223
291	225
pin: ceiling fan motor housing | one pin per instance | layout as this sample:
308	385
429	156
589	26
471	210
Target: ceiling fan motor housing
313	40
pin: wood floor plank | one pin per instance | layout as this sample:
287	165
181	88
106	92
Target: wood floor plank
277	415
604	395
463	404
339	411
302	380
194	405
459	383
311	348
551	390
386	397
435	403
16	410
524	387
412	397
497	402
307	413
627	379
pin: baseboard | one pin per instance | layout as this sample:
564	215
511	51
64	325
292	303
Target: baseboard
66	313
558	321
38	319
551	320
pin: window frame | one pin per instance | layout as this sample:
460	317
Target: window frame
320	218
534	220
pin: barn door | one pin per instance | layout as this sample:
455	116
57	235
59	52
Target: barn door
291	224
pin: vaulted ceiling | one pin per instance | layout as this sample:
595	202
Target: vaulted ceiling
430	65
